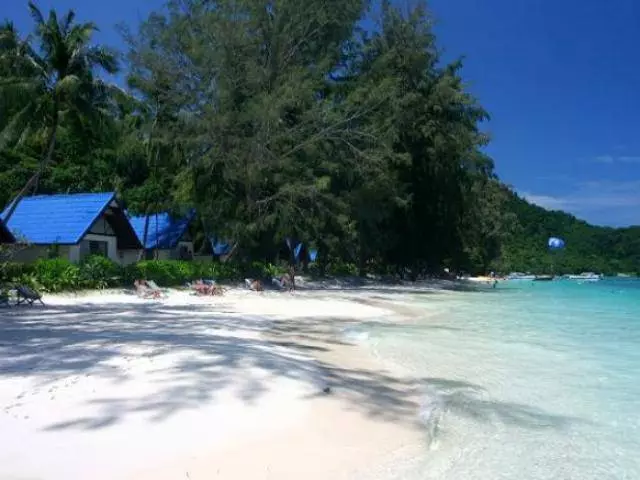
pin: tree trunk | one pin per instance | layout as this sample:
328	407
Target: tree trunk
144	237
157	252
362	258
33	181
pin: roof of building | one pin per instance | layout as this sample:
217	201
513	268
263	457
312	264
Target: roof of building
5	234
66	219
164	230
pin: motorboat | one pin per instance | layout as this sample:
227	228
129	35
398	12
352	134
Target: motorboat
586	277
543	278
520	276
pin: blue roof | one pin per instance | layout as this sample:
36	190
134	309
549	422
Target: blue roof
164	231
61	219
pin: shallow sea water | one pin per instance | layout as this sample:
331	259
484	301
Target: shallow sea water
529	381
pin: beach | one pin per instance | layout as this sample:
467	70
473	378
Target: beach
371	382
106	385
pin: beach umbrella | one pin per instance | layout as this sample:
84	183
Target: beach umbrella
313	254
296	251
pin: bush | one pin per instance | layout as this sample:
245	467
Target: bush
10	271
341	269
99	272
56	275
264	270
164	272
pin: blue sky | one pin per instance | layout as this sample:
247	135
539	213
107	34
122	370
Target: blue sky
561	80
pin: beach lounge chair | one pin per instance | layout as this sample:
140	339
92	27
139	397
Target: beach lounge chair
206	287
255	285
27	295
154	287
143	290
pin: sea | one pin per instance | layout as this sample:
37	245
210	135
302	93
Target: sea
527	381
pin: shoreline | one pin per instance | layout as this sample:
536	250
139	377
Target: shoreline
334	438
239	375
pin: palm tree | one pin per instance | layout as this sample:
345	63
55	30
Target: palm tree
53	79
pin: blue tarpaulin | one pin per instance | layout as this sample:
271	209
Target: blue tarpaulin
164	231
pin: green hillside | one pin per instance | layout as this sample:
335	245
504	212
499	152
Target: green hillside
588	247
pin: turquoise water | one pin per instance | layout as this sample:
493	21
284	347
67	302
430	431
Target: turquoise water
528	381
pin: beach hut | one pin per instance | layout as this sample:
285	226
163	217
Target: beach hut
167	236
5	234
71	226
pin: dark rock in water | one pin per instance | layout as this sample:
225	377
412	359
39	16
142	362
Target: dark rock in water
326	390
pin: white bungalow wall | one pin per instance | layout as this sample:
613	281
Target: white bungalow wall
127	257
36	252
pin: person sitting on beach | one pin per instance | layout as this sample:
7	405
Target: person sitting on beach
255	285
280	282
201	288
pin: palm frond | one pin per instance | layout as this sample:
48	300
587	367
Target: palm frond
80	35
14	90
67	22
69	85
12	132
36	14
104	58
36	62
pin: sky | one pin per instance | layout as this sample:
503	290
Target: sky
560	79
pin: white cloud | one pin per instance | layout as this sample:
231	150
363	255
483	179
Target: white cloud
610	159
546	201
630	159
602	202
605	159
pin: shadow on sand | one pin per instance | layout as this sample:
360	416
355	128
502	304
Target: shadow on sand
58	342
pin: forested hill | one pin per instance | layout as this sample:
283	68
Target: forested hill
588	247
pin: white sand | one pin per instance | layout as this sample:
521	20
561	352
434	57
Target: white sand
108	386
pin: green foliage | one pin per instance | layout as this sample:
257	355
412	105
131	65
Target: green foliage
99	272
48	83
13	270
285	121
342	269
170	273
588	248
56	275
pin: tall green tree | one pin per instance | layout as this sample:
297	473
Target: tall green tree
55	78
249	79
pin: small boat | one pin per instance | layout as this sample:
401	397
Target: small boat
586	277
543	278
520	276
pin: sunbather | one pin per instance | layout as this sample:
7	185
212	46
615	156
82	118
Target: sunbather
255	285
202	287
144	290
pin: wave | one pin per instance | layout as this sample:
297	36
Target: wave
355	335
431	413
